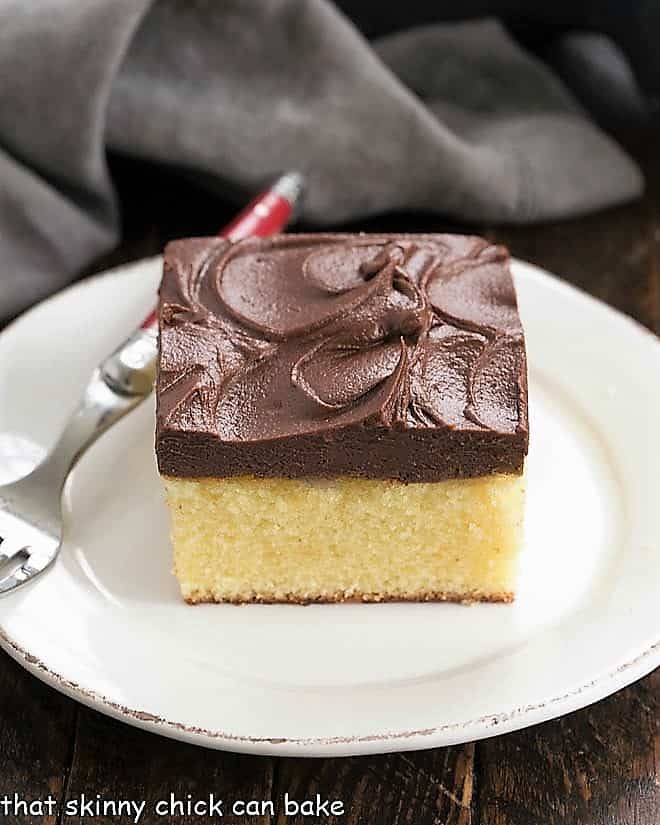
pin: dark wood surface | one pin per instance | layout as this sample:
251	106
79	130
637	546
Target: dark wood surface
598	766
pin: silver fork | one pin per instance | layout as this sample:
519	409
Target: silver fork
30	508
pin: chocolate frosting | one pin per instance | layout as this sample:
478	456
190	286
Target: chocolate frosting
377	356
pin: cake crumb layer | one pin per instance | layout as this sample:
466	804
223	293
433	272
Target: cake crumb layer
253	540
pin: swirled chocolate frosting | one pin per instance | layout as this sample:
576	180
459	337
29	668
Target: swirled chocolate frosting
378	356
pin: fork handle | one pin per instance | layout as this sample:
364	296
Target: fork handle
115	388
131	369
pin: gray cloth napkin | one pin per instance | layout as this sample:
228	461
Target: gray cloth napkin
454	118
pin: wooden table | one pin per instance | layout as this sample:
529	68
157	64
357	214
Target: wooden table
597	766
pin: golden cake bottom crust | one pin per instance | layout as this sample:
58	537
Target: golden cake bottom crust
356	598
252	540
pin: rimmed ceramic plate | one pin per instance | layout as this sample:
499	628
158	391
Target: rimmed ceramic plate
106	624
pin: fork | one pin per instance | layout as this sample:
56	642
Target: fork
30	508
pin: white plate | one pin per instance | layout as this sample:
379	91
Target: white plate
107	626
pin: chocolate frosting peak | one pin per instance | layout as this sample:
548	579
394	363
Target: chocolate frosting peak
333	354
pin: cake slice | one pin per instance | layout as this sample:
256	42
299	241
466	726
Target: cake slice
342	417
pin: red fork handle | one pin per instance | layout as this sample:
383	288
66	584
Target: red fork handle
131	369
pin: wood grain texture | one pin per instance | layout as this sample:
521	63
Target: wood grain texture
598	766
36	740
120	762
595	766
424	788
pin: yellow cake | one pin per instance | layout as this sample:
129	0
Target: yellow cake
342	418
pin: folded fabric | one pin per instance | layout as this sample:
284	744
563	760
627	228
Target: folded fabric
454	118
